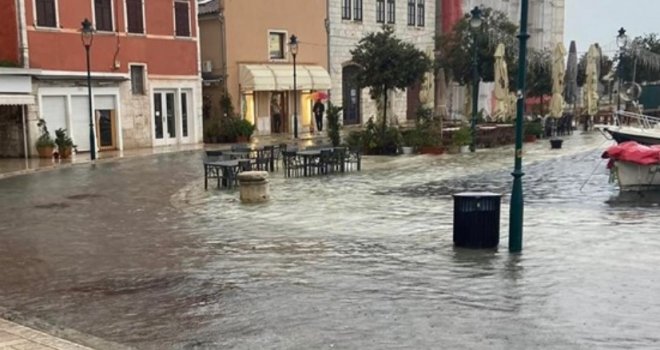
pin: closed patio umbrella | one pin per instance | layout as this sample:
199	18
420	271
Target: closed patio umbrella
558	73
570	80
591	83
502	101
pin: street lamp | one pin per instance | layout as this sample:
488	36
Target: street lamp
475	23
293	48
517	204
87	36
621	42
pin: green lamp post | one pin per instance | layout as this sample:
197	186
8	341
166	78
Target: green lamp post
517	203
475	23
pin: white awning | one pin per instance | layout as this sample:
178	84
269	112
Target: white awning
16	100
279	77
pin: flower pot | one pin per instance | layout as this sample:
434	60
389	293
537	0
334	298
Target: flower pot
66	152
242	139
530	138
465	149
431	150
45	152
556	143
407	150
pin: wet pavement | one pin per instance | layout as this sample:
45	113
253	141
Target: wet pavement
136	252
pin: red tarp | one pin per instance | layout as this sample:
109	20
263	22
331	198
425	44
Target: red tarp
633	152
452	12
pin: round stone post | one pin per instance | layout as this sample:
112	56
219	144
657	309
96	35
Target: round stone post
253	186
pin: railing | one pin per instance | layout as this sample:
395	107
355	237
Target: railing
624	118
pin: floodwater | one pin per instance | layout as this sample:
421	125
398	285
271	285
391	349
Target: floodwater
136	252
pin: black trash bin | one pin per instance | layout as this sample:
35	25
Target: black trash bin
477	220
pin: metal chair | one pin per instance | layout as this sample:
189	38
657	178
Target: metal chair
210	171
291	163
353	158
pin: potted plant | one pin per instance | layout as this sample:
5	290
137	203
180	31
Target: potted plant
410	141
45	143
64	143
244	130
334	124
462	138
532	131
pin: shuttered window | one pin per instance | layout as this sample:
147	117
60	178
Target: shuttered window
134	16
46	16
411	12
380	11
346	9
137	80
391	11
421	13
357	10
182	18
103	15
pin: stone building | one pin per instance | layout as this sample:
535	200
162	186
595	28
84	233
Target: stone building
144	71
349	21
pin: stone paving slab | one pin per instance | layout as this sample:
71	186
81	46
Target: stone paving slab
16	337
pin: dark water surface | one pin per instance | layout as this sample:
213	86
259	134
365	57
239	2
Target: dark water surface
137	253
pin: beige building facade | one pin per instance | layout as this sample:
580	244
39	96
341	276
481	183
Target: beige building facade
245	52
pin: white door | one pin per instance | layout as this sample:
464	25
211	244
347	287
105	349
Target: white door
53	111
165	121
80	122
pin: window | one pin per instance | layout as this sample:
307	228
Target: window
184	114
391	11
421	13
46	15
346	9
134	20
137	80
276	46
357	10
380	11
411	12
103	15
182	18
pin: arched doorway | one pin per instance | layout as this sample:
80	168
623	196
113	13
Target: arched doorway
352	95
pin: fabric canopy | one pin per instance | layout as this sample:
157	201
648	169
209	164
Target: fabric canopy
591	83
558	74
502	100
16	100
279	77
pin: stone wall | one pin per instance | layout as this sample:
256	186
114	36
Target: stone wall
345	34
135	117
11	131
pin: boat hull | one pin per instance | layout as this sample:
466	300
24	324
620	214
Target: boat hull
636	177
640	137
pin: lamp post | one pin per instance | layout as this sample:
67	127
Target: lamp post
87	36
621	42
475	23
293	48
517	204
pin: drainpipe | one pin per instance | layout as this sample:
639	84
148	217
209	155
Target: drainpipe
22	30
327	44
223	47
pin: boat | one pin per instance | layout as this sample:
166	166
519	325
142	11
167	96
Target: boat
629	126
634	166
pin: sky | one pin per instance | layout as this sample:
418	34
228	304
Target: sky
590	21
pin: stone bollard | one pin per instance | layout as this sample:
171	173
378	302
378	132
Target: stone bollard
254	186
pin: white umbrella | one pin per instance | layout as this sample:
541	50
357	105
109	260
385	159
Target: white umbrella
502	101
558	72
591	83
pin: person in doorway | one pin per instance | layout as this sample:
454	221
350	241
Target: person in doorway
276	112
319	109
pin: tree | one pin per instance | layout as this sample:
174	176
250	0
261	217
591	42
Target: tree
387	63
539	74
456	47
640	61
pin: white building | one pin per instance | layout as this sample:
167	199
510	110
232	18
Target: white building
349	21
546	18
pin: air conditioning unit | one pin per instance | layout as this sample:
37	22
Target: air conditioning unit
207	67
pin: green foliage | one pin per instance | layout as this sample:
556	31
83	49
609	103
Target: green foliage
539	73
533	128
641	59
227	129
242	127
374	140
456	47
334	124
44	140
62	140
9	64
387	63
462	137
428	130
226	106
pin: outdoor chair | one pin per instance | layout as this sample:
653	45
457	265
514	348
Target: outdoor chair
241	148
291	163
262	160
354	159
323	164
210	171
339	158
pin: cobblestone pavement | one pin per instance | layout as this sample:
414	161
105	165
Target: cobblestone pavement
16	337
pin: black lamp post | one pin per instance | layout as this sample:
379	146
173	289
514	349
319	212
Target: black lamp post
87	35
475	23
293	48
621	42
